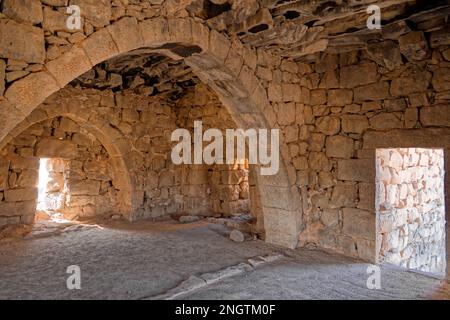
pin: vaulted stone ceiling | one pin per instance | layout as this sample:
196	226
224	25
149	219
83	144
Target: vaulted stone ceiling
298	28
141	71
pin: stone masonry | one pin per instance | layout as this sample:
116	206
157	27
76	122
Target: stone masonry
411	208
136	70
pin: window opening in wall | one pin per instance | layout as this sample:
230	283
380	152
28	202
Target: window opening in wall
410	208
51	197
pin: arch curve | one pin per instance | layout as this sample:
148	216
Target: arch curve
82	116
226	66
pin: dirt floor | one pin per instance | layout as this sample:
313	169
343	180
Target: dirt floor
168	260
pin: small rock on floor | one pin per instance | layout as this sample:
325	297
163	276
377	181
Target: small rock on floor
189	219
237	236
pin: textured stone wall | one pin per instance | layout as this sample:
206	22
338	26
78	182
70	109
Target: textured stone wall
227	186
85	183
145	125
335	111
410	206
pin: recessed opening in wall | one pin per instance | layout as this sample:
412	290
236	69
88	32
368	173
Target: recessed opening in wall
410	208
51	194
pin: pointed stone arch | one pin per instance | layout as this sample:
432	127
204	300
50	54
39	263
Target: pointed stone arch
227	67
100	129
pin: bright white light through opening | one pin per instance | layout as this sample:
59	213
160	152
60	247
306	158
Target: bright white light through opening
43	182
49	202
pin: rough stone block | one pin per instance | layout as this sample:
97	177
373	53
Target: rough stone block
17	195
23	208
29	92
329	125
359	223
155	32
83	187
359	75
372	92
69	66
441	79
21	42
55	148
385	121
100	47
126	34
362	170
96	12
344	196
340	97
414	46
354	123
339	147
435	116
29	11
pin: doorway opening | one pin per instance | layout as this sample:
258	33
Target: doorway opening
410	208
51	190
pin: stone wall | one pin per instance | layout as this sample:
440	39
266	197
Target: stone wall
410	206
87	183
336	110
143	126
227	186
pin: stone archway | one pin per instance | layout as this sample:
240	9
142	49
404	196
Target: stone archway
95	125
228	68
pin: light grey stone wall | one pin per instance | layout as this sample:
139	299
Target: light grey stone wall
410	208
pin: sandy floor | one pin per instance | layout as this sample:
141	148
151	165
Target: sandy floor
147	260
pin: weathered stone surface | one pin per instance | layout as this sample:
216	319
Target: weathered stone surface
237	236
354	123
358	75
339	147
413	80
441	79
414	46
53	148
423	138
29	11
55	21
2	76
96	12
83	187
362	170
340	97
26	95
359	223
372	92
329	125
21	42
126	34
386	53
4	167
366	196
385	121
17	195
435	116
189	219
10	209
318	97
344	196
100	47
69	66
